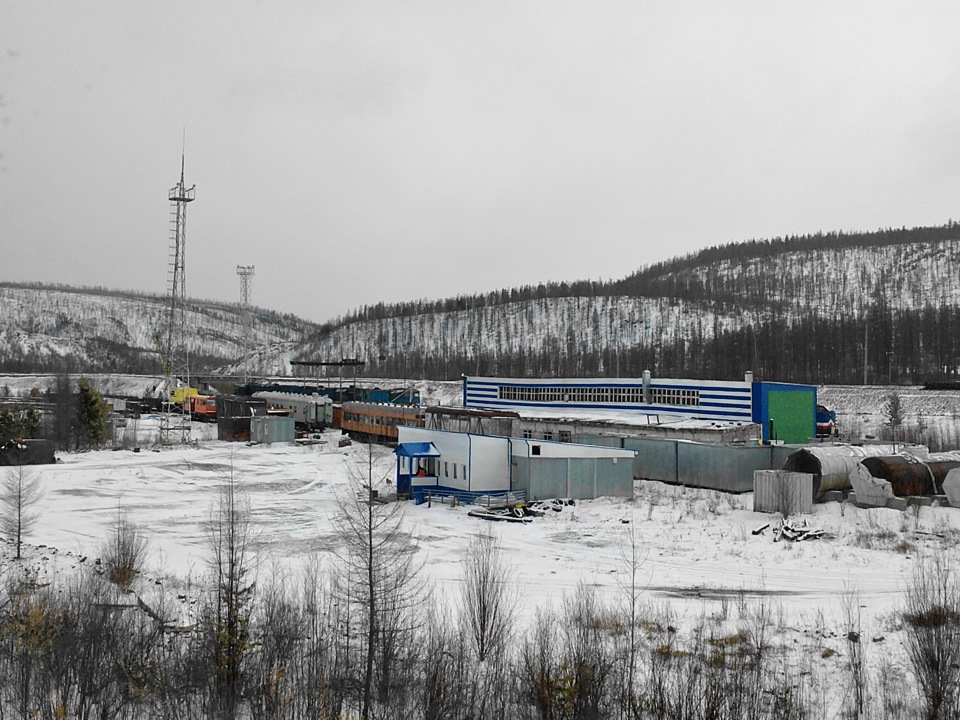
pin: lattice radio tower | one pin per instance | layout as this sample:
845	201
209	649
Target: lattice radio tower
177	350
246	280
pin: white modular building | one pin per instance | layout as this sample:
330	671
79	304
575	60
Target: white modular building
467	465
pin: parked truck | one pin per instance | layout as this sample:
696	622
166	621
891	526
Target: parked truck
826	422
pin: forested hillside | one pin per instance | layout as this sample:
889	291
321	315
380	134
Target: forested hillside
48	328
823	309
802	309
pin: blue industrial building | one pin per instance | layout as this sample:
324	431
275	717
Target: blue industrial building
785	412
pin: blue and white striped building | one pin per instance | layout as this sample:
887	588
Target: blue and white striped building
729	401
784	411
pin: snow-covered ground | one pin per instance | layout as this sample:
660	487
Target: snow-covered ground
699	555
698	551
930	417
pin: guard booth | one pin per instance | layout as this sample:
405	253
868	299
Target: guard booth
415	459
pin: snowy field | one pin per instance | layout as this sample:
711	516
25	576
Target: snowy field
699	555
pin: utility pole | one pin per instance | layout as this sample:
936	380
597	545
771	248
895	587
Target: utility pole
246	280
177	349
176	354
866	339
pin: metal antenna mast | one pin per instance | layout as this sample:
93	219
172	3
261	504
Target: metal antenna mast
175	356
177	350
246	280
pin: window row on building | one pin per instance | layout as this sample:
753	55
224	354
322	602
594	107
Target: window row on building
597	395
671	396
564	436
372	419
448	466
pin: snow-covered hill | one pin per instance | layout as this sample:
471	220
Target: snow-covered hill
803	313
104	330
571	324
810	294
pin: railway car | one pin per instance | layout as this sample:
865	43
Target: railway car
309	412
201	407
350	393
378	421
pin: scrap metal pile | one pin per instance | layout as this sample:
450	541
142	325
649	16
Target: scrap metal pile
793	530
522	512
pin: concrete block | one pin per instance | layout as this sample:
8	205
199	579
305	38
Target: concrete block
831	496
871	491
951	486
925	500
940	501
897	503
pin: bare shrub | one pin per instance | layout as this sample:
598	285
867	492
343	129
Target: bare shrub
931	618
786	496
124	552
854	632
278	627
566	663
539	669
449	675
893	697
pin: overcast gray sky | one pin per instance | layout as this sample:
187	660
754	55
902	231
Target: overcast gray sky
358	152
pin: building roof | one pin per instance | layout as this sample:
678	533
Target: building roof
470	412
624	417
418	449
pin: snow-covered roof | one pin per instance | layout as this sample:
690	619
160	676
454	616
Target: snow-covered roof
417	449
620	417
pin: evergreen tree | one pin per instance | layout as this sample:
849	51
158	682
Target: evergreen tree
17	422
91	415
894	413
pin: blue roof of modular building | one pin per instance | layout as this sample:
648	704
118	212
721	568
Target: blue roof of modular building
421	449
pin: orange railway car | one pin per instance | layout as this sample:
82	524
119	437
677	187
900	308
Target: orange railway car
376	421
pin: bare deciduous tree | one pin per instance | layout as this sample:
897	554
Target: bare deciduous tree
488	601
632	556
19	495
377	576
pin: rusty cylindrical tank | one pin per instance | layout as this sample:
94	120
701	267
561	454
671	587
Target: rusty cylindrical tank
909	474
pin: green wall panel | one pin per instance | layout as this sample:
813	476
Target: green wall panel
793	413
